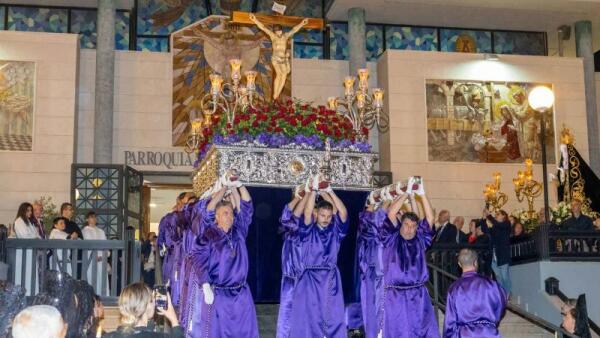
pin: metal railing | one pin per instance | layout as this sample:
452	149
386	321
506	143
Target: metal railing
107	265
439	277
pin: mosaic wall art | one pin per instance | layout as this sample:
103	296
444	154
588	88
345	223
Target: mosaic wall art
17	95
465	41
156	17
83	22
153	44
205	48
31	19
225	7
411	38
523	43
374	41
338	41
309	35
485	122
308	51
2	17
304	8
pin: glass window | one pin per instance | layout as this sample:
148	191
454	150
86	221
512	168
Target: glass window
158	17
523	43
465	41
32	19
411	38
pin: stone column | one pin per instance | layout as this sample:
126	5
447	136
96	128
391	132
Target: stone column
583	39
356	39
105	86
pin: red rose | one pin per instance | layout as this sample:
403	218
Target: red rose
228	125
337	134
245	130
237	120
365	131
255	124
269	129
278	130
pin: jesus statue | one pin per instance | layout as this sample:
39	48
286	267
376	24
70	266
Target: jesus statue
281	56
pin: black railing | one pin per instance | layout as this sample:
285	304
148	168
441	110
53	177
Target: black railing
553	289
439	277
107	265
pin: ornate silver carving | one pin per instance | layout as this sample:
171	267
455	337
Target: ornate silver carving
290	167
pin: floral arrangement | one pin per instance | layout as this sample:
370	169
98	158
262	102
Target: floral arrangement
560	212
50	212
290	124
528	220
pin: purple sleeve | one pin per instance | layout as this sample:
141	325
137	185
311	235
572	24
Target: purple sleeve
386	231
450	319
162	232
244	217
425	233
201	258
340	227
289	222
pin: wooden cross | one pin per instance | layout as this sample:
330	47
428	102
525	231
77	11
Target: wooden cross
288	21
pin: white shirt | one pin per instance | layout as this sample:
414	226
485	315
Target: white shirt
93	233
25	230
58	234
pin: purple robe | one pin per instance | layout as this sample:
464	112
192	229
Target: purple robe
291	269
177	255
192	230
371	270
221	259
474	307
167	236
406	306
318	300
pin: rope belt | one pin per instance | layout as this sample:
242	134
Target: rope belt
478	322
234	287
404	287
318	267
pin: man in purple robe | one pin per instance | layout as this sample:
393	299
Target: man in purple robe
406	306
318	302
169	240
220	267
370	266
291	260
475	303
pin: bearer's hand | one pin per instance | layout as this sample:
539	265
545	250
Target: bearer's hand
300	191
420	190
409	185
315	182
209	296
371	198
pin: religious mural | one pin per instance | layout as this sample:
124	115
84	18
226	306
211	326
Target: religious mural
17	90
485	122
205	48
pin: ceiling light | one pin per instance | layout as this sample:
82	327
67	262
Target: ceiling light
152	205
490	57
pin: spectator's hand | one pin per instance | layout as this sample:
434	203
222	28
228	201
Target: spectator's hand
74	235
209	296
169	313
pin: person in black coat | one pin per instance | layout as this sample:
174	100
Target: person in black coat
445	232
136	305
499	229
66	211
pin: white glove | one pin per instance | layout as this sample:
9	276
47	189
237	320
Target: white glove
421	189
400	188
315	182
409	185
223	180
237	183
209	296
385	194
163	251
380	334
217	186
371	198
329	189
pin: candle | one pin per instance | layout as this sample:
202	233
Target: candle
528	163
360	100
251	80
215	84
363	78
196	125
235	64
348	85
378	97
332	102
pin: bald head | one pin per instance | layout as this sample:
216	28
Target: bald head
40	321
467	259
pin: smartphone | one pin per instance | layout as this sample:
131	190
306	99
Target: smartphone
160	297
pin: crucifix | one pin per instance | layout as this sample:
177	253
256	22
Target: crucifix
280	59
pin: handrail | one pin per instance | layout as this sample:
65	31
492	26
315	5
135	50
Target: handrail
63	244
535	320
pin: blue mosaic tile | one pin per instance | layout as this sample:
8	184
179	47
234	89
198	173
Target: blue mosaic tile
308	51
156	17
305	8
482	39
338	41
309	35
224	7
122	30
153	44
33	19
411	38
522	43
84	23
2	16
374	41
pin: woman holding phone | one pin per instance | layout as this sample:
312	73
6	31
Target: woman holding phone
137	305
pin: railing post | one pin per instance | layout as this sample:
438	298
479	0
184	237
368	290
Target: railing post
128	253
436	307
543	241
3	255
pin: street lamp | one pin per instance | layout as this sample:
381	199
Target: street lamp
541	99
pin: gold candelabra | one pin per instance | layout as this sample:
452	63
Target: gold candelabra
493	196
229	97
360	107
199	122
527	188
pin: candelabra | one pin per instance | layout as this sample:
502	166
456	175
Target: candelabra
526	187
198	123
360	107
228	98
493	196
